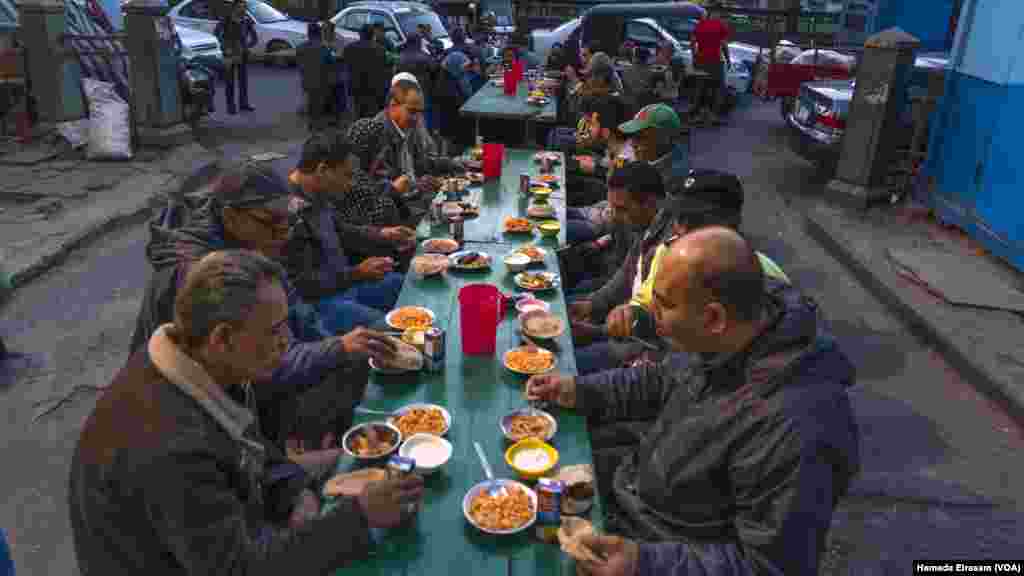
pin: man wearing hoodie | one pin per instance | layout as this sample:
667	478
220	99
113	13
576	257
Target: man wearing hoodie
318	253
322	375
754	441
171	474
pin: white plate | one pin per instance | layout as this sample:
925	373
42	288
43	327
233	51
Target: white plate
555	282
390	315
454	259
411	442
543	254
546	352
487	484
540	211
404	409
506	419
427	242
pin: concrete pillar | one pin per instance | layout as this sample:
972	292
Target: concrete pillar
55	78
154	64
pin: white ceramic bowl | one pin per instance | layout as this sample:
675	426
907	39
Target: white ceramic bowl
527	304
433	451
517	262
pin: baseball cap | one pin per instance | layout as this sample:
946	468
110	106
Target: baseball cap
660	116
248	185
708	192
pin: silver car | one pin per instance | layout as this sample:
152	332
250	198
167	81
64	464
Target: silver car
276	32
398	18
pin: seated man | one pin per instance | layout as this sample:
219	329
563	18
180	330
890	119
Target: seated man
248	209
754	441
392	154
346	295
171	474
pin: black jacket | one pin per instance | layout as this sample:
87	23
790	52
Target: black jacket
159	487
236	37
368	69
748	456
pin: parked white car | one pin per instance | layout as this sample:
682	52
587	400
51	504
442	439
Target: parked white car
648	31
399	19
275	30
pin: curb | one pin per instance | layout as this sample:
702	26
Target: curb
135	215
975	375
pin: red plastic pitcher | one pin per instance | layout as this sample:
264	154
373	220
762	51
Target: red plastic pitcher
510	82
494	155
517	71
481	307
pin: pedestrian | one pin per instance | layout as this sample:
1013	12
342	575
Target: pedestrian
237	35
454	87
416	61
171	474
314	59
368	73
711	37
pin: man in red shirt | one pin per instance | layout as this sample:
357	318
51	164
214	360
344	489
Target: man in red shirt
710	39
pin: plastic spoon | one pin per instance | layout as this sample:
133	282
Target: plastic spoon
493	490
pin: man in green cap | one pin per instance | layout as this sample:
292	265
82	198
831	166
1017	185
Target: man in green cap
656	136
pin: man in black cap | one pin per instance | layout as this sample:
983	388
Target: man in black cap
248	208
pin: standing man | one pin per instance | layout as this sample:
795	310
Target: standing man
237	35
367	62
711	36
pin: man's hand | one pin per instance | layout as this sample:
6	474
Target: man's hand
374	268
402	237
402	184
306	509
620	556
620	321
362	341
586	164
385	503
552	388
581	310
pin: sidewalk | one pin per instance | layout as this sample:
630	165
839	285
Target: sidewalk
53	200
919	268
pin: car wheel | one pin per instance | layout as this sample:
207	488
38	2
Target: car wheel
277	46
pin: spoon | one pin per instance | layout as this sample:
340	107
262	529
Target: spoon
493	490
361	410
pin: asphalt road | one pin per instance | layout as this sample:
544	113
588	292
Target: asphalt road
942	467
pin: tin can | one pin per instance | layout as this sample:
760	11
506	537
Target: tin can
545	164
433	349
401	466
549	501
457	228
437	210
524	183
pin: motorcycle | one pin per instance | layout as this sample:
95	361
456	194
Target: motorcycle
198	85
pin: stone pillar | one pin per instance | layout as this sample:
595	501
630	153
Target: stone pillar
55	77
873	132
154	65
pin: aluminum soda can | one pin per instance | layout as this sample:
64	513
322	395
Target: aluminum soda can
545	164
437	209
524	183
433	349
549	501
457	228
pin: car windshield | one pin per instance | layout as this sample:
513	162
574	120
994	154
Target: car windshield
410	20
679	28
570	24
265	13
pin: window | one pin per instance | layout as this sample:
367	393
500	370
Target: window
641	33
382	19
265	13
198	9
355	20
409	20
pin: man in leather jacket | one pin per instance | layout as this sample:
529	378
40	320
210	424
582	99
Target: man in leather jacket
753	441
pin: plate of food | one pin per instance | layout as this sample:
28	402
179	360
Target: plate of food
548	179
421	419
429	264
475	177
470	260
541	325
540	211
528	423
410	317
553	157
371	440
534	253
536	281
518	226
529	360
440	245
407	359
493	512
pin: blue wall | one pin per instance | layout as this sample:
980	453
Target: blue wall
928	20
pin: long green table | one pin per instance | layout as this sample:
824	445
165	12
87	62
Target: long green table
500	199
477	391
491	101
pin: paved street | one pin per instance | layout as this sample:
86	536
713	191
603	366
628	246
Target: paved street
942	467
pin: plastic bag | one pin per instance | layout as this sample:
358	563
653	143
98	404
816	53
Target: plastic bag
76	132
110	135
826	58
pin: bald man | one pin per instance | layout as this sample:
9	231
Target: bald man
753	441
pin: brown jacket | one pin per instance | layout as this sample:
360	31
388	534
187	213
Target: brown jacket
169	478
